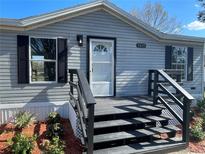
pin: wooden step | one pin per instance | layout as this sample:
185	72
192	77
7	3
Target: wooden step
128	124
126	137
168	145
125	112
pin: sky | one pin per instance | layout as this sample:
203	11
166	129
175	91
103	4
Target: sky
184	10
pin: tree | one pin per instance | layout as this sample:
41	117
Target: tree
201	15
156	16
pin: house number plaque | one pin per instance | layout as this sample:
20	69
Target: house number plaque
141	45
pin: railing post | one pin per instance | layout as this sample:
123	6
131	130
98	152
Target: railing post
186	119
178	79
155	95
150	83
71	79
90	128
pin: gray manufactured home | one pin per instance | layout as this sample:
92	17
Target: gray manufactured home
99	66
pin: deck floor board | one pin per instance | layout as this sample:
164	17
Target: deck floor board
115	105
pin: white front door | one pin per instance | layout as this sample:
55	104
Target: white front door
102	67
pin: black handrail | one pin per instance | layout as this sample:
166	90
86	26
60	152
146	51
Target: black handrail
176	100
175	84
156	87
85	104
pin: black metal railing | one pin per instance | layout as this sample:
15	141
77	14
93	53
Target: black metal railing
84	105
156	88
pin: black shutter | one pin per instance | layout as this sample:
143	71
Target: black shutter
62	60
23	58
168	57
190	64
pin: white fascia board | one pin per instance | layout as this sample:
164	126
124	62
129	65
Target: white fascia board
50	16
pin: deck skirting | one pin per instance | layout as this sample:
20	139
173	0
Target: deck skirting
39	109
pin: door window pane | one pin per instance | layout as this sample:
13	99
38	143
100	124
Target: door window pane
104	89
102	72
102	51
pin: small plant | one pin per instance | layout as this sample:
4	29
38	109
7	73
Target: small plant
54	117
201	105
21	144
2	132
202	115
55	146
197	131
23	119
54	130
45	144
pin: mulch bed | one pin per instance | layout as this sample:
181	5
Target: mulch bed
194	146
197	147
73	145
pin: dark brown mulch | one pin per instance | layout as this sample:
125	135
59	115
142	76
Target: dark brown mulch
73	145
194	146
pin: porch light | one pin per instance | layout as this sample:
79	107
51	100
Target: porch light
80	40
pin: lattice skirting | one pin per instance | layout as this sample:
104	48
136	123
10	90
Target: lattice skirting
177	109
75	122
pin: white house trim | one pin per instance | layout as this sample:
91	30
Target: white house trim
56	61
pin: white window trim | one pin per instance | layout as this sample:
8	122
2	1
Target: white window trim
186	59
48	60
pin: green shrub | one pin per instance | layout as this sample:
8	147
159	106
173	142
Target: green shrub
54	130
197	132
21	144
202	115
55	146
201	105
54	117
23	119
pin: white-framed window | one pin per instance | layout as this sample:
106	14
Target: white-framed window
179	61
43	60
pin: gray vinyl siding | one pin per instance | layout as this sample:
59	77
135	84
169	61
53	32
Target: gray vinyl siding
197	82
132	64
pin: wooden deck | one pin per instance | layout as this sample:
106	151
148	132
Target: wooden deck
116	105
112	124
124	100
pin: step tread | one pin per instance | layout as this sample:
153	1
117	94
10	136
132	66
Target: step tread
134	134
126	109
124	122
141	147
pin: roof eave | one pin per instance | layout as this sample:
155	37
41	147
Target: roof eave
43	20
157	35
